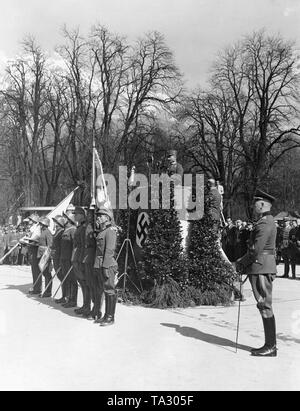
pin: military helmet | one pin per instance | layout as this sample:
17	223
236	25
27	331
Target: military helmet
105	211
59	220
171	153
70	217
34	218
45	221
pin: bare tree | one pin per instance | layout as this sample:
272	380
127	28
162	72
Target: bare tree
259	75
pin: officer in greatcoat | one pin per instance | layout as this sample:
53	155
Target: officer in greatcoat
260	265
106	265
45	242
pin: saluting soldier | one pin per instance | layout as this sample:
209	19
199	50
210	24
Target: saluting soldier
105	264
56	251
260	265
77	259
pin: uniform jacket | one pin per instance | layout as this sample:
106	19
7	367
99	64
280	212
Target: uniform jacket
44	240
106	245
67	240
260	258
79	244
56	244
90	245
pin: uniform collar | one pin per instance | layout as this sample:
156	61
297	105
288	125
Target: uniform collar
105	227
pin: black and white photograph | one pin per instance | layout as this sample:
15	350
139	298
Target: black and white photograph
150	198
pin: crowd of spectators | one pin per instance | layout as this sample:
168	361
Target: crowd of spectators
236	236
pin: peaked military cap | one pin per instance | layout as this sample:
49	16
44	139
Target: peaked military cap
262	195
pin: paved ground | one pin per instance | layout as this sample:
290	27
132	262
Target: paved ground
43	347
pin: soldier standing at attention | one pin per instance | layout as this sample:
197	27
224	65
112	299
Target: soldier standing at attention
70	287
45	241
56	251
260	265
32	243
77	259
105	264
88	261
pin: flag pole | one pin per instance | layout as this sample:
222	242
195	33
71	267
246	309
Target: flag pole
93	184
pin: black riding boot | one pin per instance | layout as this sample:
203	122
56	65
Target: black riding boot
110	318
269	349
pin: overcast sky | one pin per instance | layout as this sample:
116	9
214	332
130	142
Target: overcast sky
194	29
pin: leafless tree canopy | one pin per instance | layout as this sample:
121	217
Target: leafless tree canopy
130	98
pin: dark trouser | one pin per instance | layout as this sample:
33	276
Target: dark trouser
285	253
70	286
262	287
109	288
79	270
47	276
97	289
35	271
90	280
59	272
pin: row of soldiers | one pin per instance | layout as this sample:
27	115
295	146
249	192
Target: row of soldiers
82	251
9	237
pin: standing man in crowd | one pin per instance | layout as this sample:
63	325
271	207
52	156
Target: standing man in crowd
69	287
56	251
44	245
88	261
260	265
78	257
32	242
285	246
105	264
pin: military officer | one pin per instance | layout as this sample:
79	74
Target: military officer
56	252
105	264
78	257
260	265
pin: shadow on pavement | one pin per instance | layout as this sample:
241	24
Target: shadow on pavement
24	288
209	338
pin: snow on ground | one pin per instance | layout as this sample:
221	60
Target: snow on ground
46	347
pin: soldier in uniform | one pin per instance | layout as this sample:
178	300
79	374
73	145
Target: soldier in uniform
56	252
32	243
105	265
88	261
69	287
78	257
45	241
260	265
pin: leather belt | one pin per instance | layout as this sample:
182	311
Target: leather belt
268	252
